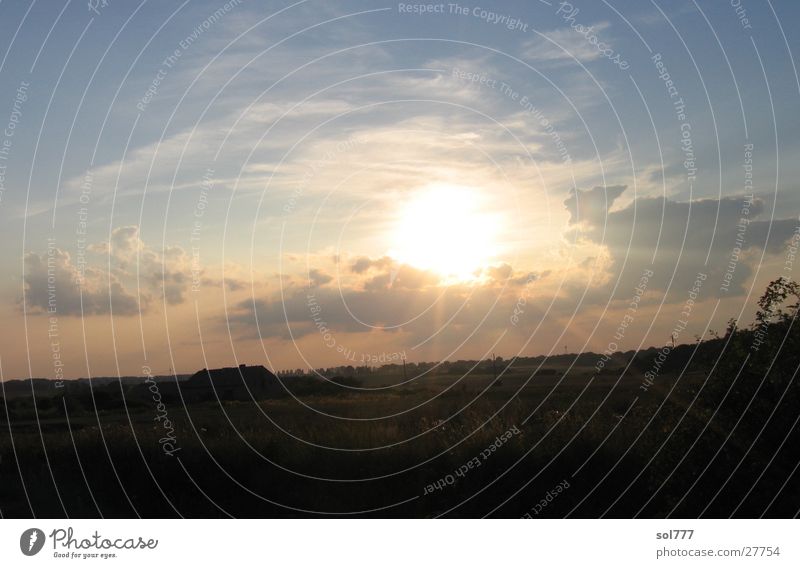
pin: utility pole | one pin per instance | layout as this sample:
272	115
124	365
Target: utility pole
404	369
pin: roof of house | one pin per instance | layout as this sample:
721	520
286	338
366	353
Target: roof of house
254	375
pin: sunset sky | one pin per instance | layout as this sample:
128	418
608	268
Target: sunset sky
314	184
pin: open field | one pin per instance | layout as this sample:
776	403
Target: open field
621	450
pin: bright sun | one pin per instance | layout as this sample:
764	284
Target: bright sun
446	229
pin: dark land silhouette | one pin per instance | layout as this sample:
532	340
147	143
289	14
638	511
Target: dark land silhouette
703	429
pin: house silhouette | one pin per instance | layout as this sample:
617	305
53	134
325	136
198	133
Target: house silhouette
231	383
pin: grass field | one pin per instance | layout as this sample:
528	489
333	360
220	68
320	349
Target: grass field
622	451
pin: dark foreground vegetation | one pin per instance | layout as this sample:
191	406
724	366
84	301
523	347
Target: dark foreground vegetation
707	429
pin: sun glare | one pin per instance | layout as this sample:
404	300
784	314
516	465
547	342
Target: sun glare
446	229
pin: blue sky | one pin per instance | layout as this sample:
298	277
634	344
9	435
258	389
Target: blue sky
326	127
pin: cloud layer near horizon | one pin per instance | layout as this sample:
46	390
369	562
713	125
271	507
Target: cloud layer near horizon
124	277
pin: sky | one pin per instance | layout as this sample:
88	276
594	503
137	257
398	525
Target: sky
308	184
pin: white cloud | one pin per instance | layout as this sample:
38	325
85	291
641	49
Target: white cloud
54	281
55	285
564	44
